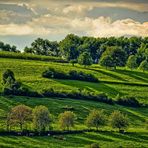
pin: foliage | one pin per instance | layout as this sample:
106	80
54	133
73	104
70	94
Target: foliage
72	74
73	62
28	56
68	47
19	115
96	119
107	61
41	118
128	101
43	47
113	56
85	59
66	120
132	62
119	120
143	66
7	47
8	77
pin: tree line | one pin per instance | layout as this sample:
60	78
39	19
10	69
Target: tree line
8	47
108	52
22	117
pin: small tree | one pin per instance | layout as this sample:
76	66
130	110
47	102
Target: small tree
144	65
41	118
85	59
8	77
107	61
132	62
73	62
96	118
114	56
119	120
20	115
66	120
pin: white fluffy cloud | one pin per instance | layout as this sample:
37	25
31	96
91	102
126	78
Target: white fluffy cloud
99	27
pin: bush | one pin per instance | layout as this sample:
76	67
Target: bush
73	75
80	94
128	101
93	145
52	73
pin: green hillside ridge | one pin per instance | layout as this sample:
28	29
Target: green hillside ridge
29	72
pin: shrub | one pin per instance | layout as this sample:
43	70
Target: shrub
73	75
41	118
94	145
128	101
96	119
66	120
52	73
119	120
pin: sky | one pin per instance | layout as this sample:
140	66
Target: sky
22	21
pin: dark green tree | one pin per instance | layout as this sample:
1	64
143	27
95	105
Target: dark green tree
41	118
69	47
107	61
116	54
143	65
85	59
119	120
96	119
132	62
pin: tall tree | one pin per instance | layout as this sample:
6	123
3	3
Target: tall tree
20	115
117	55
66	120
96	119
119	120
68	47
41	118
85	59
143	65
132	62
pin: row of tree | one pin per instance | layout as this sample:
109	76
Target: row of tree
40	118
109	52
8	47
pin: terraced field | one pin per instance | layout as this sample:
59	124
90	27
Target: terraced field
112	82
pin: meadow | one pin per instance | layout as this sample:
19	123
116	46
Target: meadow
112	82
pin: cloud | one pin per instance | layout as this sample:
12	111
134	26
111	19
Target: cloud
14	29
55	25
77	9
88	6
104	27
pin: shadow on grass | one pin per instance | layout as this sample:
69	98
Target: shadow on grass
129	136
108	74
100	87
140	76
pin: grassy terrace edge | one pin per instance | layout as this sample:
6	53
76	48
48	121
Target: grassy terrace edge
27	56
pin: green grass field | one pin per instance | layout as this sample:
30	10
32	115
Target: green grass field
29	73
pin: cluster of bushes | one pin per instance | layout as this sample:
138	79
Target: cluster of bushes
29	56
41	120
72	74
79	94
13	87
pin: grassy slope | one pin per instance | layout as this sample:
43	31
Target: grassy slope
29	72
81	109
